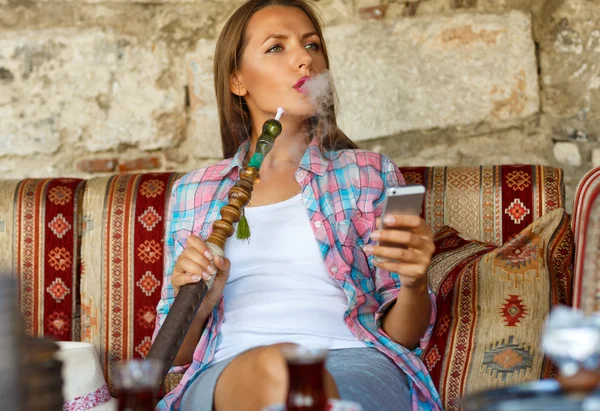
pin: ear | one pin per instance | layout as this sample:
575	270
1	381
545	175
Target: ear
236	84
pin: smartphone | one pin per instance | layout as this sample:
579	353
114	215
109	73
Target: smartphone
402	200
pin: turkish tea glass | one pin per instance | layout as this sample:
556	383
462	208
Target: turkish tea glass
306	367
137	383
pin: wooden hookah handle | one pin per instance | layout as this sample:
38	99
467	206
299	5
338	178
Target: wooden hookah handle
238	197
190	296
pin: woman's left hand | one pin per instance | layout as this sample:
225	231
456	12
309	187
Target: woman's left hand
406	245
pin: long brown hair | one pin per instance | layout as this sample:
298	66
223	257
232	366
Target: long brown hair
234	117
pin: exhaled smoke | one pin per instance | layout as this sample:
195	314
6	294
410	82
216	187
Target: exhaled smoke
320	92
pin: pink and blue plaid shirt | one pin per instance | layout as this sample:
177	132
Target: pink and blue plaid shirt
343	196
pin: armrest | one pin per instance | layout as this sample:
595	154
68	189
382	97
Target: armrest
586	229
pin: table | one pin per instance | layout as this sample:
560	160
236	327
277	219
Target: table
543	395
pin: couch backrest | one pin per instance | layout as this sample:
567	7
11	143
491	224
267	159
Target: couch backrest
122	239
122	262
39	242
122	226
586	229
488	203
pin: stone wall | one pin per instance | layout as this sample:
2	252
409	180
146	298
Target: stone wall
89	87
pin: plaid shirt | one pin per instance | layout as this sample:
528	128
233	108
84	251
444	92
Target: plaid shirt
343	196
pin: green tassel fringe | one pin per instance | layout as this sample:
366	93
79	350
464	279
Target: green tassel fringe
243	229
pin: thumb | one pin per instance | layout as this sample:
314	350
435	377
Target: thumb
221	263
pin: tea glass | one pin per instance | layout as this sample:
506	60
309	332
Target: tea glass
137	383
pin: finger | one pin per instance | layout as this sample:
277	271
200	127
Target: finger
399	237
184	278
197	244
222	264
201	259
405	221
204	271
405	255
185	265
195	256
424	230
412	223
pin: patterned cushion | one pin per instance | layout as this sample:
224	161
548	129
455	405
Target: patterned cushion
39	221
586	228
492	302
122	263
488	203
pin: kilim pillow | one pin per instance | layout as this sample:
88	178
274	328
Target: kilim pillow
492	302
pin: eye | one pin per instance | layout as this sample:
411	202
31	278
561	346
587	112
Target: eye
275	49
313	46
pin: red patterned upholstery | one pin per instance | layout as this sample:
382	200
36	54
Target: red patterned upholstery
480	304
492	302
122	262
488	203
41	219
586	228
121	228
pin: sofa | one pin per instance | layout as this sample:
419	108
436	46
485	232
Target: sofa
89	255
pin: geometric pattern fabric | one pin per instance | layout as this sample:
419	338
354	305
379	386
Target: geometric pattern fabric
120	223
39	222
487	334
122	263
487	203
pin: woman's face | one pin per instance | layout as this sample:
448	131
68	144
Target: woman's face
282	49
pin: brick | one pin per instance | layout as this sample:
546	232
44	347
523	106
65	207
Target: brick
140	163
97	165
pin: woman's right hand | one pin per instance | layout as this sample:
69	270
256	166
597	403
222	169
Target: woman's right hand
196	263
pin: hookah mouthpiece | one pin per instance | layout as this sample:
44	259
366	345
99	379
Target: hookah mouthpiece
280	111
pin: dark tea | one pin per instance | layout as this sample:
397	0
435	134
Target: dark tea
306	388
136	399
137	382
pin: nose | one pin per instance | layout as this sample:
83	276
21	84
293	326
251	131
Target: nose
304	59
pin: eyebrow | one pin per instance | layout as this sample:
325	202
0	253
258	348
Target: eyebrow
283	36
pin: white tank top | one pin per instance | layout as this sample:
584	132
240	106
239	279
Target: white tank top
279	289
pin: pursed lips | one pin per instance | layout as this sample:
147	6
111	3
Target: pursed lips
300	83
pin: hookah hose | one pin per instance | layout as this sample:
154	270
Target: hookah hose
190	296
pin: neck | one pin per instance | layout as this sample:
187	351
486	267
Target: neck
289	147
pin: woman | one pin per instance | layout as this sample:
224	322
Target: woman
282	286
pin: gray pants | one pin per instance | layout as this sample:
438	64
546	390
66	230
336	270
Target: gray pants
363	375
